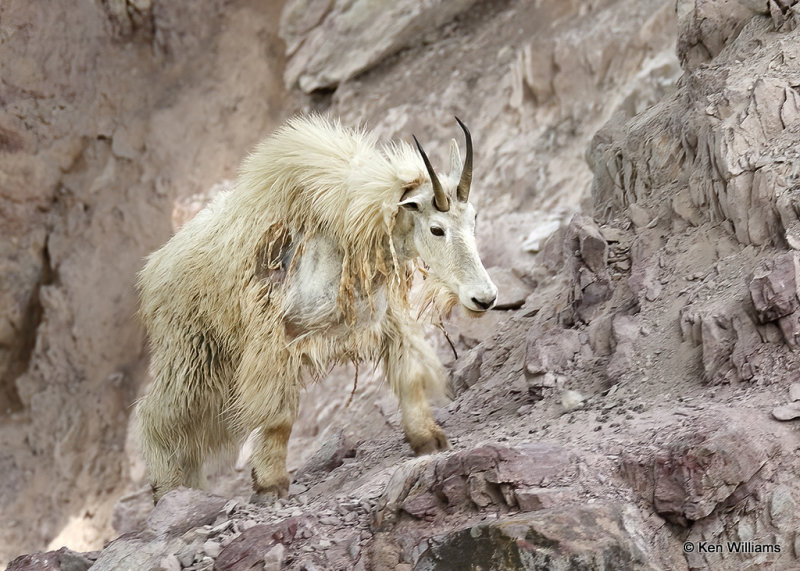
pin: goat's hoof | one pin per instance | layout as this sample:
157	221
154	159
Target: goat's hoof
435	442
268	495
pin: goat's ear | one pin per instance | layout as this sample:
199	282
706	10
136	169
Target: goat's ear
409	200
410	204
455	160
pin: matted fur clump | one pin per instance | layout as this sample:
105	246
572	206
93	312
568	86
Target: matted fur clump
306	262
321	163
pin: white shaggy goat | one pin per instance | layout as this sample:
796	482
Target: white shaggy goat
307	262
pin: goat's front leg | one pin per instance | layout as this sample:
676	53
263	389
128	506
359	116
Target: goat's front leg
270	478
272	406
414	372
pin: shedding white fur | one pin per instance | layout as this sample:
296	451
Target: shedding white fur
305	263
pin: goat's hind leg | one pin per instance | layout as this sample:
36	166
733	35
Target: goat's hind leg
179	469
172	462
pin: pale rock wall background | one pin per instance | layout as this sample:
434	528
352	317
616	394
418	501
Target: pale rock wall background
109	111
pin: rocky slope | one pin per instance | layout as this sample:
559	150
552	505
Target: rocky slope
624	405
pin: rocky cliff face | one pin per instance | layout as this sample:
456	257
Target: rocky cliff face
624	403
109	110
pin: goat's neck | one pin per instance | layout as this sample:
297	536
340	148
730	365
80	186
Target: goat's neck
403	237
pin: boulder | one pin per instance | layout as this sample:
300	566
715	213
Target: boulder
486	477
773	288
183	509
586	252
511	290
699	468
62	560
580	537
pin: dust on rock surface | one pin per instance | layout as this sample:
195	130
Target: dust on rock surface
670	304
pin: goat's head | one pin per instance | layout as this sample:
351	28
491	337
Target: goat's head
443	232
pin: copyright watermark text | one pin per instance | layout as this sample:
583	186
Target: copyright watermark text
730	547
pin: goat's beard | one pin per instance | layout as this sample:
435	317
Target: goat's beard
435	299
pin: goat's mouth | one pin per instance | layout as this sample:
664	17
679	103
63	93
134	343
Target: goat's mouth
477	306
473	313
475	309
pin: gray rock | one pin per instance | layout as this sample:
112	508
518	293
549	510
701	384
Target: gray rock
169	563
212	548
248	549
773	288
422	506
719	338
789	411
511	291
625	331
469	331
592	248
188	554
182	509
644	281
330	455
532	499
131	511
706	26
586	252
354	36
621	361
133	553
397	489
299	17
729	338
468	370
524	410
790	329
782	508
550	350
62	560
600	335
273	559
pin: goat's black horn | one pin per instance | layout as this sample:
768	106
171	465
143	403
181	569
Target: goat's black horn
462	191
439	197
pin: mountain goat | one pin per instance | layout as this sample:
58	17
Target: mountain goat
306	262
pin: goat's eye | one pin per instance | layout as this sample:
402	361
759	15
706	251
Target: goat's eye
436	231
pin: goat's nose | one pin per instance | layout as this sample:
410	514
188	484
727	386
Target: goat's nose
484	304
